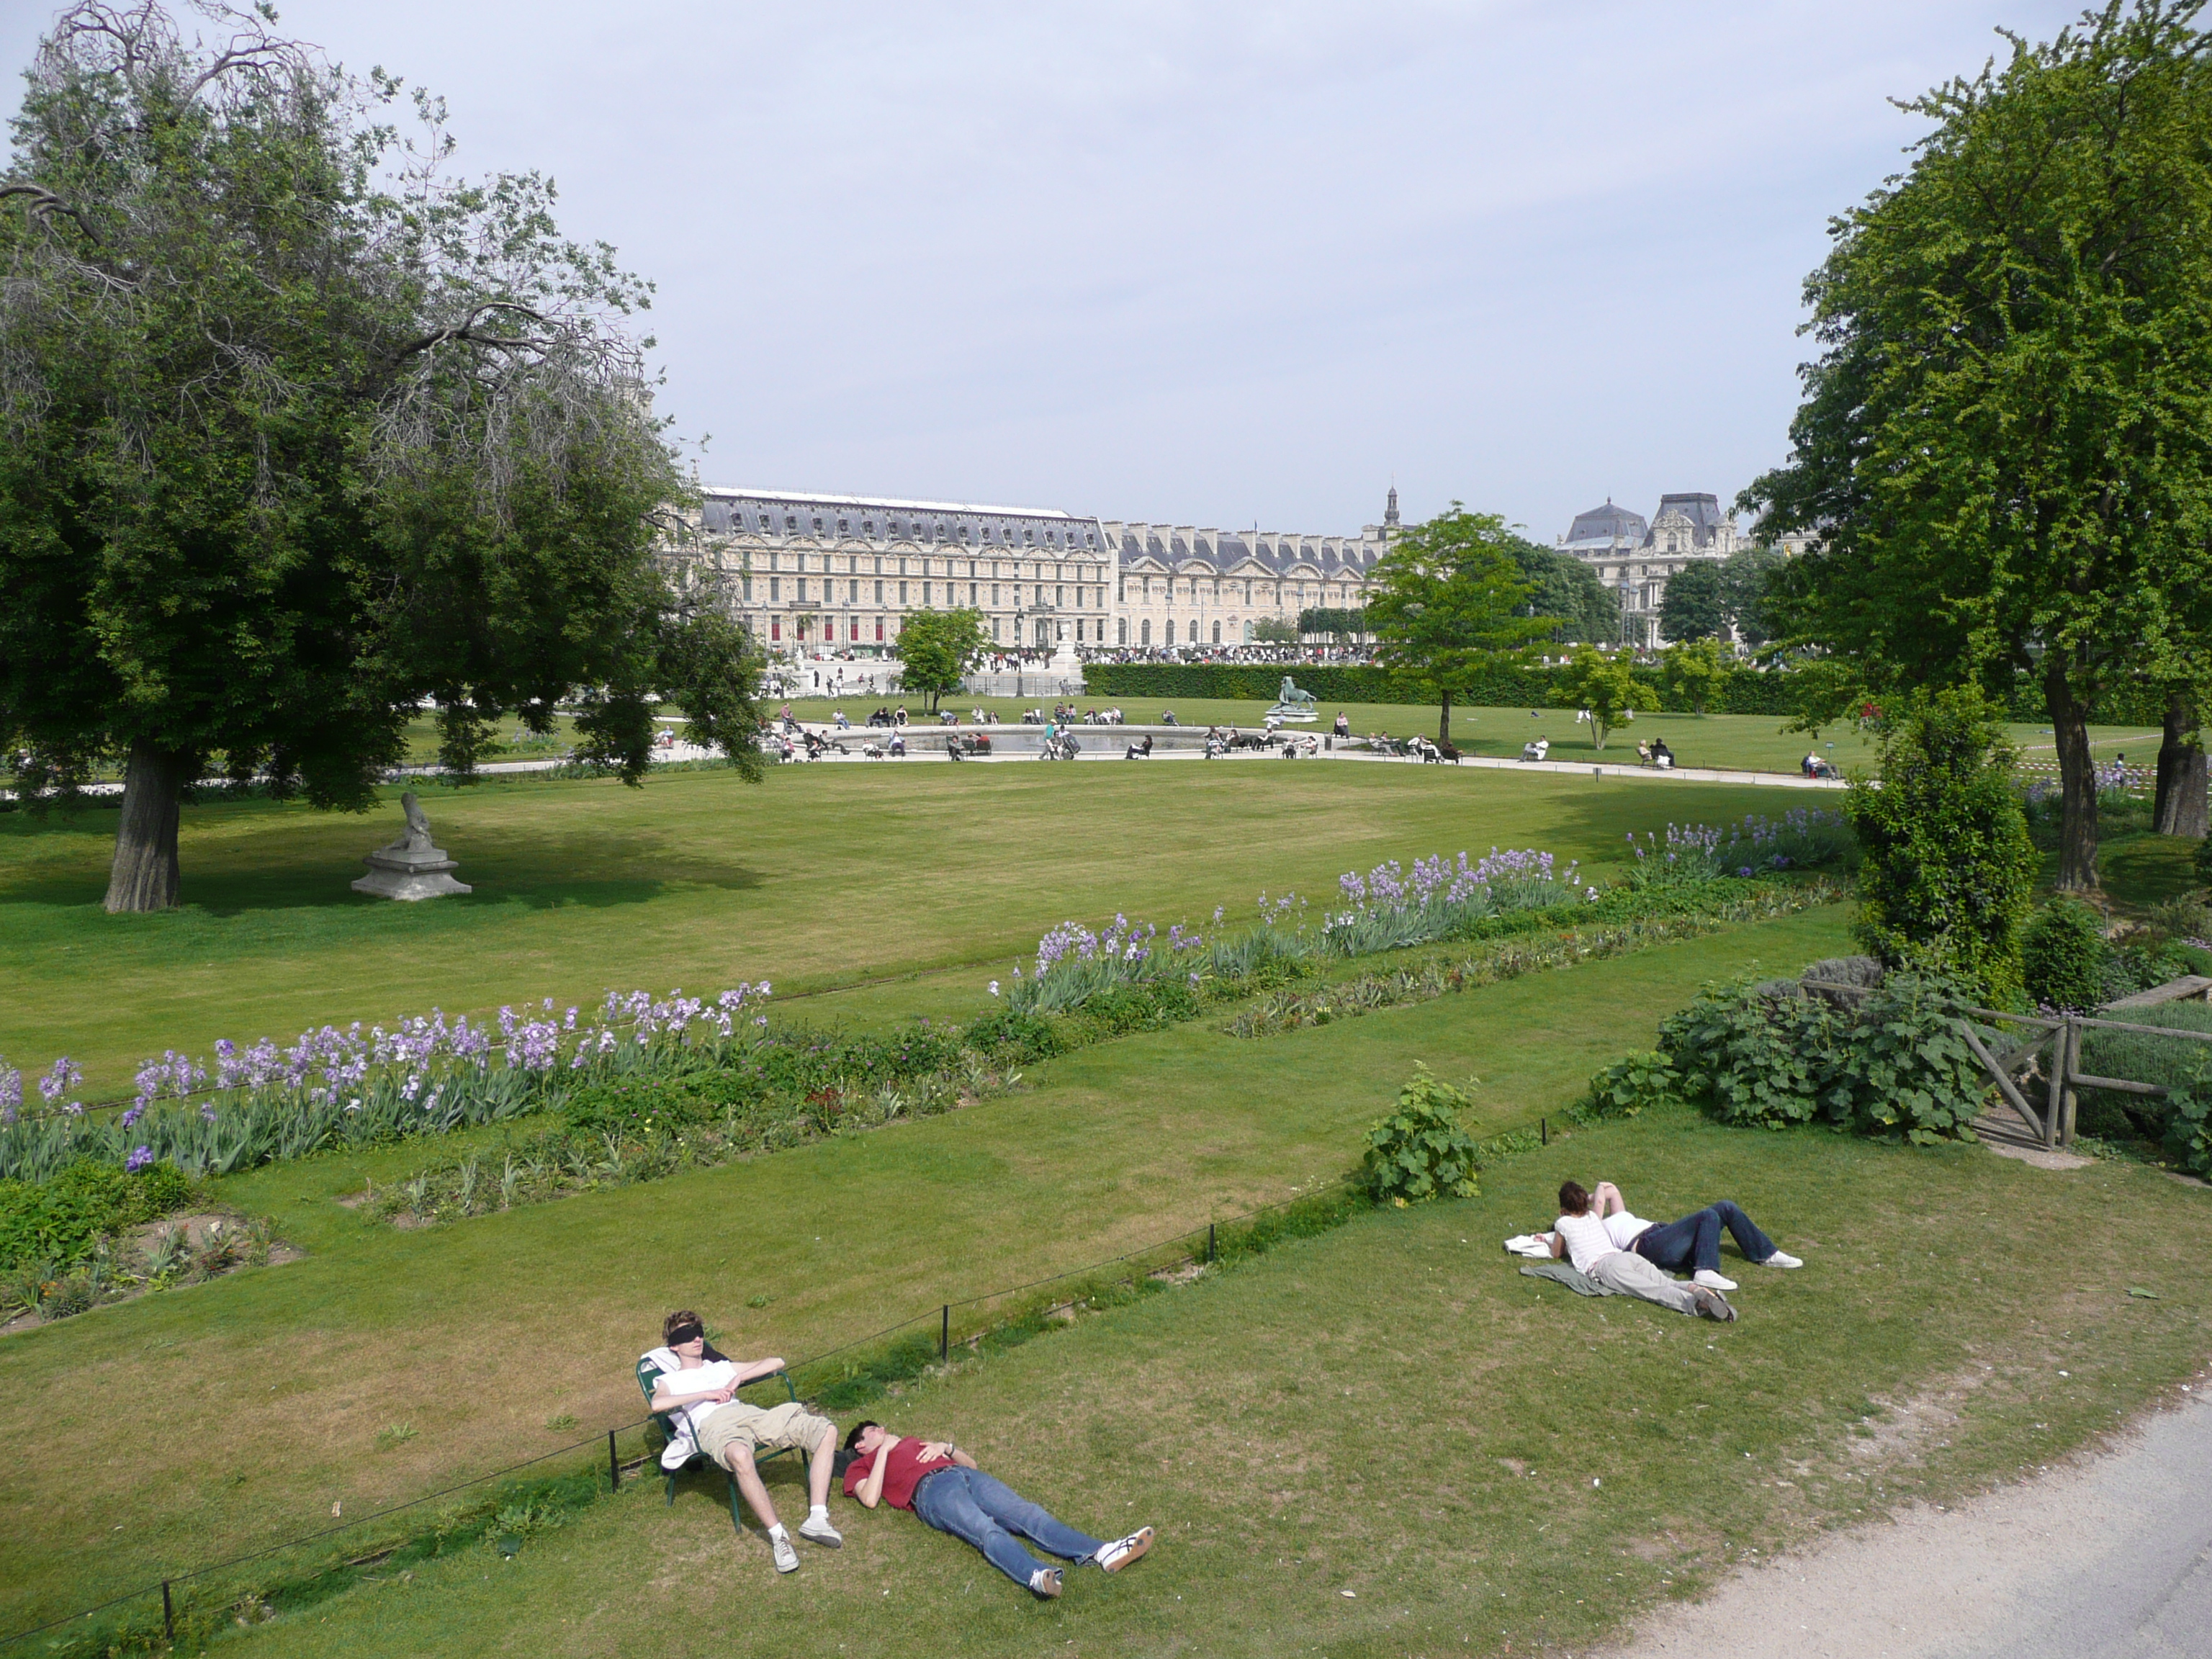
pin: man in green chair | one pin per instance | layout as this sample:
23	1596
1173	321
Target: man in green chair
694	1389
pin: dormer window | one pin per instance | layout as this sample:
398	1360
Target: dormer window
842	526
791	521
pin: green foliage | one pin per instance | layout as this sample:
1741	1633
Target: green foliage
58	1222
1946	866
1015	1038
1695	672
2188	1137
1568	590
937	648
2142	1056
1608	687
2063	955
1446	601
1772	1056
1333	620
1267	630
1625	1087
1505	684
1745	579
1420	1152
1695	604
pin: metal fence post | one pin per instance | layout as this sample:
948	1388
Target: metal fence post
168	1614
1544	1131
945	1336
1209	1241
614	1465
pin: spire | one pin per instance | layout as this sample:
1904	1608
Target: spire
1390	512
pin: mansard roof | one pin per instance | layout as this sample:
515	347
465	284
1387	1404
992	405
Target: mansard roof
1604	524
770	512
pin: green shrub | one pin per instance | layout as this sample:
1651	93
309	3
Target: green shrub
1420	1152
58	1222
1625	1087
1014	1039
1947	867
2063	955
630	1107
2188	1138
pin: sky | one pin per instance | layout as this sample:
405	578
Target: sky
1214	264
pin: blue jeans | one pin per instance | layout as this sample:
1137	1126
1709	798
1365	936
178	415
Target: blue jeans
987	1512
1693	1244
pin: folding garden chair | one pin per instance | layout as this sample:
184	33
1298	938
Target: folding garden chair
645	1381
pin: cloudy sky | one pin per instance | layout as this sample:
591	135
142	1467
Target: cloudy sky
1220	263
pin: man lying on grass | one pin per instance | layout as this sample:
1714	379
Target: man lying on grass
1694	1242
1580	1234
941	1485
697	1389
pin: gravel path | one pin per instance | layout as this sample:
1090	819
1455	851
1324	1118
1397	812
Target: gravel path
2110	1557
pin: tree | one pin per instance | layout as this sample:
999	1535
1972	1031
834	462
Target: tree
1946	868
1695	605
2006	444
1608	687
1568	590
295	433
1273	630
1339	623
1744	578
936	650
1446	604
1695	670
2181	806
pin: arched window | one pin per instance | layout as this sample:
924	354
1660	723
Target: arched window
1217	633
1120	630
1144	631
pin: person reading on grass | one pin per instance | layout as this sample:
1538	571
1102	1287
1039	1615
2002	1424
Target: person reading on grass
1580	1235
1693	1243
941	1485
696	1387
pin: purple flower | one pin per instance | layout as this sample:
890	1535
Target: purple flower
139	1159
133	1114
65	1076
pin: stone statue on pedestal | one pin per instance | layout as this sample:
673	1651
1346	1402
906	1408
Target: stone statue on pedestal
1293	705
412	867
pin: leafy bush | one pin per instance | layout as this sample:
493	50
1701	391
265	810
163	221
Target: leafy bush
2188	1139
1625	1087
2062	956
1772	1056
1017	1039
2142	1057
58	1222
1946	864
1420	1152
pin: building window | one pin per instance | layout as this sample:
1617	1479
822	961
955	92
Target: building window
994	628
867	526
1121	630
901	593
1144	631
1060	596
1217	633
879	588
749	587
1078	626
791	521
994	593
775	587
880	630
775	628
842	527
853	595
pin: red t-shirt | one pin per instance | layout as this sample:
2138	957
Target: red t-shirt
904	1468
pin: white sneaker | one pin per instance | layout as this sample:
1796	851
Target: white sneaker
1122	1551
821	1532
1711	1280
1045	1582
1782	1259
786	1558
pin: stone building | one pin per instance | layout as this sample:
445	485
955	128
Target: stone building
809	574
1634	556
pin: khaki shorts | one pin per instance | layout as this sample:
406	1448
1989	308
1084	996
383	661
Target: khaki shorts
780	1428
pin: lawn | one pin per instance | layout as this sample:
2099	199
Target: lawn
821	878
1384	1442
275	1384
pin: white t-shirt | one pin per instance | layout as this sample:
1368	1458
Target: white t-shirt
1586	1240
1622	1228
697	1379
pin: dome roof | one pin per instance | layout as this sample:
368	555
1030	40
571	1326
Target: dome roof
1605	524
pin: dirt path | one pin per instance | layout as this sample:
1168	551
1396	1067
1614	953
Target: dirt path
2110	1557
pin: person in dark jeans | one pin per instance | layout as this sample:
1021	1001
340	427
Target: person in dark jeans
941	1485
1692	1245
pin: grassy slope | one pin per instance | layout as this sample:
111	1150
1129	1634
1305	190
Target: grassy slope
1390	1410
274	1384
824	876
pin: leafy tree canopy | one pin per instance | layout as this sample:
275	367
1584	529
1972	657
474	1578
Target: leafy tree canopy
936	650
1695	670
1695	605
1608	687
2006	443
296	432
1273	630
1568	590
1446	601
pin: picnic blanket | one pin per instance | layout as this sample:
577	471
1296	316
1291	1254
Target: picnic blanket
1580	1283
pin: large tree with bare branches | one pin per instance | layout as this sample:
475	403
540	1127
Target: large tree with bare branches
296	432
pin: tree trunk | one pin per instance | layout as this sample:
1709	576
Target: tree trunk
2182	808
145	873
2077	777
1443	721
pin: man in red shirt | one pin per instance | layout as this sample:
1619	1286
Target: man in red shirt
941	1485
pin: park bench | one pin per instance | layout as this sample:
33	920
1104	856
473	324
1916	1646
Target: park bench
668	1429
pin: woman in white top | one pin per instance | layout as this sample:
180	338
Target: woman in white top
1580	1236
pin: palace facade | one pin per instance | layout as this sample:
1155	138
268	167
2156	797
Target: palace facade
1634	556
812	573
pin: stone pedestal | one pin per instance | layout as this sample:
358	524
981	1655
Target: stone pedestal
405	872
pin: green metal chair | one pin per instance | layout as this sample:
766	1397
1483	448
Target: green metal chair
646	1377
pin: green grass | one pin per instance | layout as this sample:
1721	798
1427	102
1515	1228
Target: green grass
1385	1442
274	1384
821	878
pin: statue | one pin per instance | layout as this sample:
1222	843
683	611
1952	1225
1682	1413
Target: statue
411	868
1293	704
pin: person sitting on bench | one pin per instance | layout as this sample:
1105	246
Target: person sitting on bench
700	1395
1580	1235
1693	1243
941	1485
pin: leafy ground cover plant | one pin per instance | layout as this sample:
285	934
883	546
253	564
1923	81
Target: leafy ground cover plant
1419	1152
